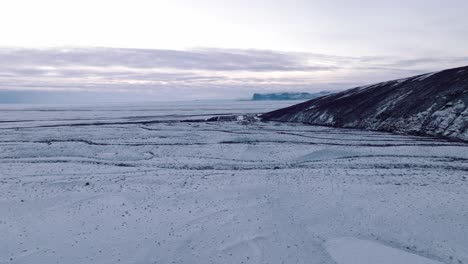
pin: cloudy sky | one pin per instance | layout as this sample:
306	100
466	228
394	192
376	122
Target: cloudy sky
211	49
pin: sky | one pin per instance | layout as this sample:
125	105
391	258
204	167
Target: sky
207	49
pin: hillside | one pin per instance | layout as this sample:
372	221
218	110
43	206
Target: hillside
433	104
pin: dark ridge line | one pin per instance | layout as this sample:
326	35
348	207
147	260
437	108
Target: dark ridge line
389	166
152	156
294	164
229	131
88	142
69	161
80	175
114	118
181	115
357	139
271	167
332	130
401	133
161	118
16	121
349	131
150	129
436	158
336	144
440	158
248	142
111	123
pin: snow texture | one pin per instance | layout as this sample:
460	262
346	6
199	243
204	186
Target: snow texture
158	184
349	250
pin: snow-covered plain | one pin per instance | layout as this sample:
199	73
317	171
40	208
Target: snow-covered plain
133	184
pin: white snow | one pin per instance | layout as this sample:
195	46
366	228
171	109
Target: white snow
145	189
425	76
399	81
350	250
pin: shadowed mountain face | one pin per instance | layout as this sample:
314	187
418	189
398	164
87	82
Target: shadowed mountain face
433	104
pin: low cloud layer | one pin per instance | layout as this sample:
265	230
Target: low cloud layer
195	74
199	59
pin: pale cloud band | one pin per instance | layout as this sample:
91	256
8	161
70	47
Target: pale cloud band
198	73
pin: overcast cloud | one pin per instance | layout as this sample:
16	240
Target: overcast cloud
194	74
151	49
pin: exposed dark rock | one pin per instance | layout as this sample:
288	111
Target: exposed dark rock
230	118
433	104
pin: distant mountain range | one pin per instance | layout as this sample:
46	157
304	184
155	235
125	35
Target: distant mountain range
288	96
433	104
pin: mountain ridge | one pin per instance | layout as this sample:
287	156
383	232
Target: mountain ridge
432	104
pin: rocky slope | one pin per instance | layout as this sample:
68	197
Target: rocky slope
433	104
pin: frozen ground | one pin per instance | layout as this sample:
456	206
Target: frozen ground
349	250
127	184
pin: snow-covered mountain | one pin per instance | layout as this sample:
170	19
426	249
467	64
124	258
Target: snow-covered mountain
433	104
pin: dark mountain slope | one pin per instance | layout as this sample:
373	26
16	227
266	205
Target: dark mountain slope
433	104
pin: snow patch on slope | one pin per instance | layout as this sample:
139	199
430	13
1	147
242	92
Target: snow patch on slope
425	76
